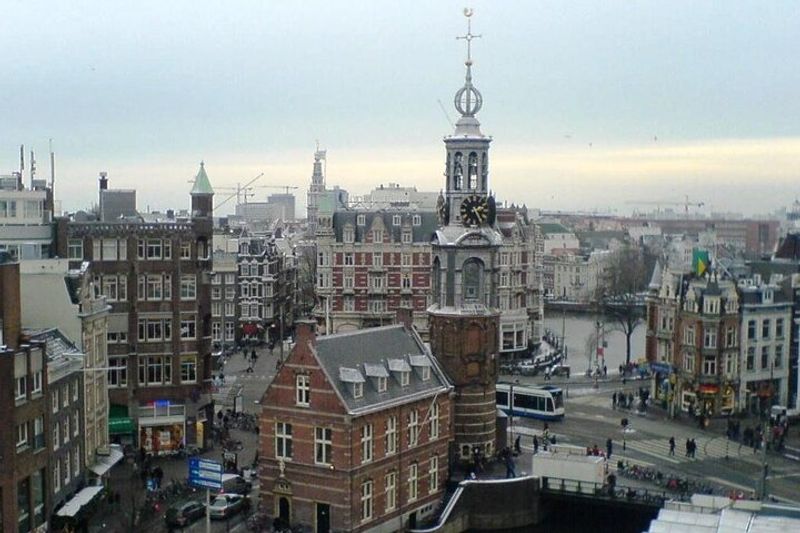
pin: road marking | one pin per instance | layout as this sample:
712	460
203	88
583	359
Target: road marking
727	483
661	457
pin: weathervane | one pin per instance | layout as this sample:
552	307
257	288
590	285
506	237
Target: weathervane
469	36
468	100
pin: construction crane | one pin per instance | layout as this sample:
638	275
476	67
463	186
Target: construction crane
286	187
239	190
686	203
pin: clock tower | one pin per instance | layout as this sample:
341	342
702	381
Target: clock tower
463	315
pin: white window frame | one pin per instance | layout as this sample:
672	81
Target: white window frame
382	383
188	369
413	428
391	435
323	445
188	287
21	388
413	478
433	475
396	220
434	421
390	487
366	500
404	378
358	390
367	443
303	390
22	436
283	441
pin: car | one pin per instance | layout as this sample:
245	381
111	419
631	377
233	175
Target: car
226	505
235	484
184	513
528	368
560	370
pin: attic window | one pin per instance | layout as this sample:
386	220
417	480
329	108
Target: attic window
361	220
404	379
358	390
382	384
426	373
417	220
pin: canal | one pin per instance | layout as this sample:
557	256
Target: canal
580	330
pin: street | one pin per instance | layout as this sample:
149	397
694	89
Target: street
590	419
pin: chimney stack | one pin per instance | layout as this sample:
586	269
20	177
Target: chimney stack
305	331
405	316
10	301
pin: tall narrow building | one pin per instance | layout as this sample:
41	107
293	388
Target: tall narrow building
464	315
315	191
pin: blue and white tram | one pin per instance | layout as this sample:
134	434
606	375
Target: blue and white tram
545	402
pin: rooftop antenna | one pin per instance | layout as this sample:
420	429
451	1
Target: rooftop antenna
21	165
52	167
33	168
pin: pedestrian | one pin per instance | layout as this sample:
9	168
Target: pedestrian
614	400
672	446
250	368
609	448
510	467
688	448
517	446
535	445
605	371
694	449
630	400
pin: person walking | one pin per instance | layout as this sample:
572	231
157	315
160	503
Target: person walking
535	445
614	400
688	448
517	446
609	448
672	446
510	473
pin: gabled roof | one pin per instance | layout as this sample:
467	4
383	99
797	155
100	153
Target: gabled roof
201	183
377	352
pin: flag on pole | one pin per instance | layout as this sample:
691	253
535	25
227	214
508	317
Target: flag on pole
700	261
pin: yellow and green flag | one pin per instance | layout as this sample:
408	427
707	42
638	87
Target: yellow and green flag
700	261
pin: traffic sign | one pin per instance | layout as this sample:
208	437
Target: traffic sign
205	473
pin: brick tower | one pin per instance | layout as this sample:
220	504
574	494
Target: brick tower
464	317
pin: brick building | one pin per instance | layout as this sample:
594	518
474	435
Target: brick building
693	338
355	431
24	503
156	276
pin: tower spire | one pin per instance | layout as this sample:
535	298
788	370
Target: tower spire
468	100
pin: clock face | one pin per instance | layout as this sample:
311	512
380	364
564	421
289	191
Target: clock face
475	210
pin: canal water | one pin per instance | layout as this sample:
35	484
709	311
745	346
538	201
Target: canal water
580	331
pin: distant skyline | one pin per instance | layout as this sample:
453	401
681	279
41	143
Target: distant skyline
592	105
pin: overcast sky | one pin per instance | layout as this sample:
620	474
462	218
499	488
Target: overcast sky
591	104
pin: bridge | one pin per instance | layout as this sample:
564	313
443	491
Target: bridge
522	502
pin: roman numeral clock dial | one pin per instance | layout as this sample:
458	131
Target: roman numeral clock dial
475	210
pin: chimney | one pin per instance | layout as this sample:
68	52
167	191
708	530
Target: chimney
104	181
405	316
10	301
305	331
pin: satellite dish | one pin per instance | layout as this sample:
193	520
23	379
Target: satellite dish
467	11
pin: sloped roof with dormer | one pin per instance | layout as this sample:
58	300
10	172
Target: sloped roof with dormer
377	352
420	233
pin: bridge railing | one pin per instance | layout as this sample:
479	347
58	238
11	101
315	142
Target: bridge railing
605	491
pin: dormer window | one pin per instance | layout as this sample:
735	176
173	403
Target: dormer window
395	220
421	364
361	220
354	378
402	369
382	384
426	373
404	378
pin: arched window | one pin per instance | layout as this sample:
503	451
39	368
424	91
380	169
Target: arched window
471	280
437	282
473	171
484	171
458	172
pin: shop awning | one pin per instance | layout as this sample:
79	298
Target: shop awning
74	505
104	462
708	389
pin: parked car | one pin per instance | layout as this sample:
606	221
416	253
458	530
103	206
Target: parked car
184	513
560	370
528	368
226	505
235	484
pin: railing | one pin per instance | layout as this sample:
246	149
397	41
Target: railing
605	491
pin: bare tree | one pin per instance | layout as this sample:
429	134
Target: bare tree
625	275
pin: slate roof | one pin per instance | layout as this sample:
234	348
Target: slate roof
551	227
366	352
419	234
